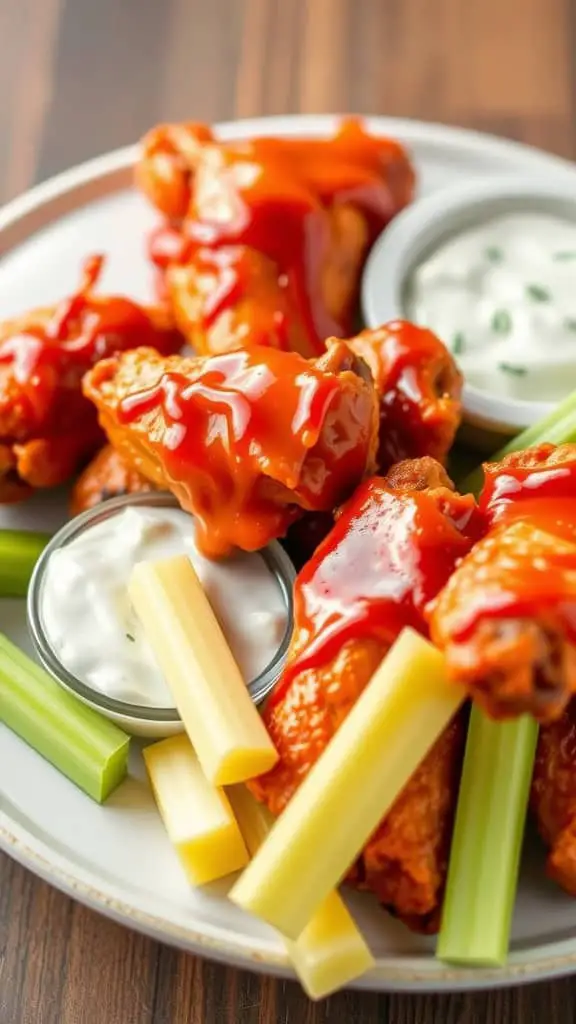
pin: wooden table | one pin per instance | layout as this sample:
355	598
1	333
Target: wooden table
78	77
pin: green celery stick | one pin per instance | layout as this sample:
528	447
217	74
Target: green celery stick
89	749
558	427
19	552
487	840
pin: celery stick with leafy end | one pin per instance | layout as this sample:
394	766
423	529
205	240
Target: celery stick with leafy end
487	840
89	749
19	552
557	427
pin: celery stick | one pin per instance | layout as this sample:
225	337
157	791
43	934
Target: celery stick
558	427
19	552
487	840
89	749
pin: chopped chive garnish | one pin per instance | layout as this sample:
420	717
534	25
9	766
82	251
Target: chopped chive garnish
564	256
570	324
536	292
494	254
458	343
130	637
502	322
515	370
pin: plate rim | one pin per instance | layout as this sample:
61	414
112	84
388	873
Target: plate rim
66	874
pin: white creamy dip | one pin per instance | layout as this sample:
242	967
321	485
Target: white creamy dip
90	623
502	296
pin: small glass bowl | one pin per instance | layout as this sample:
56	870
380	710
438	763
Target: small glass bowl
134	718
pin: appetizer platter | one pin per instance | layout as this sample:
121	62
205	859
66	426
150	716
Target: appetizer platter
288	548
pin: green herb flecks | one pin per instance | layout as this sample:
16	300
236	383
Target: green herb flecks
130	637
538	293
458	343
502	322
493	254
570	323
513	369
564	256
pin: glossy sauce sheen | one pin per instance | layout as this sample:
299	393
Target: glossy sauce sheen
252	414
527	560
52	357
387	556
272	195
419	387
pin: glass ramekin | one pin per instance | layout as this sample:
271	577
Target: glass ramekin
139	719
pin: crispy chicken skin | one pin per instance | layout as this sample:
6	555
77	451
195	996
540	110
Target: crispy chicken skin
47	427
506	618
108	475
288	223
419	386
391	549
246	440
406	860
553	796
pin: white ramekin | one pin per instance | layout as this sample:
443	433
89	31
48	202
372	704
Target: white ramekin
419	231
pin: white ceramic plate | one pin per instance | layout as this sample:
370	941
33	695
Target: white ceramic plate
116	858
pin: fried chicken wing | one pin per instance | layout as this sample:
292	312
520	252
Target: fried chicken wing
507	617
295	217
553	796
388	553
245	440
108	475
47	427
227	298
419	386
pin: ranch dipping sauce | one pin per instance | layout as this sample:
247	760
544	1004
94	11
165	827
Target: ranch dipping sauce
502	296
89	621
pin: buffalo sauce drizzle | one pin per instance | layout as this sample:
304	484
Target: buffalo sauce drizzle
76	336
412	372
273	195
516	572
245	414
387	556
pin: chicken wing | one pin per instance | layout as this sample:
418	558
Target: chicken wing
419	386
47	427
553	796
108	475
507	617
245	440
296	218
389	552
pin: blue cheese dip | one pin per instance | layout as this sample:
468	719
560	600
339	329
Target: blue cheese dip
502	296
92	628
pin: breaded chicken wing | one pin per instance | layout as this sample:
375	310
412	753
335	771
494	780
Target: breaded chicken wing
47	427
246	440
419	386
294	219
108	475
553	796
389	552
507	617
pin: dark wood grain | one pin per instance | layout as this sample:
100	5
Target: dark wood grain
78	77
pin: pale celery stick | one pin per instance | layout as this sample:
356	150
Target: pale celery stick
89	749
487	840
19	552
390	729
331	951
218	713
197	815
